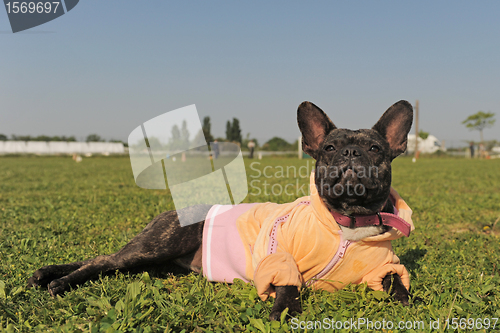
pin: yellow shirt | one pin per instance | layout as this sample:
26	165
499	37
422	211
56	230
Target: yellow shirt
305	239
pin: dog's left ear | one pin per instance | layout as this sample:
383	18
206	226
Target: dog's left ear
314	125
394	126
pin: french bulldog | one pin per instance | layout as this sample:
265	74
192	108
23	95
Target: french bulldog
356	161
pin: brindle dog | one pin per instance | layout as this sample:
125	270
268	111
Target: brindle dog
164	241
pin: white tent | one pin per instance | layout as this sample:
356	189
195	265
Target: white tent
427	146
14	147
57	147
60	147
105	148
80	147
36	147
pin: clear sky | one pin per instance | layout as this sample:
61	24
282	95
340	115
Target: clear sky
107	66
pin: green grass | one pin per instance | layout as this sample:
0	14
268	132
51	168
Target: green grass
53	210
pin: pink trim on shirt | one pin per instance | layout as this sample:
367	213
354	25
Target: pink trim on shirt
223	255
273	241
344	244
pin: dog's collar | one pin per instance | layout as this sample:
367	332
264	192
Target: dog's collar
387	219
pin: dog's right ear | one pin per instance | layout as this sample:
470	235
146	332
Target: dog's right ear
394	125
314	125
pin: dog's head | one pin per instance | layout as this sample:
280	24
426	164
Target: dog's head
353	167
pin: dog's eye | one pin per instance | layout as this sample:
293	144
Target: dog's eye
375	149
329	148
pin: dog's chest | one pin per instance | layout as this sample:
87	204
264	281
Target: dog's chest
357	234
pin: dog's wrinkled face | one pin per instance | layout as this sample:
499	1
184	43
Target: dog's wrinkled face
353	167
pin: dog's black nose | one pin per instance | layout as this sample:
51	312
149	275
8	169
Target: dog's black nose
351	151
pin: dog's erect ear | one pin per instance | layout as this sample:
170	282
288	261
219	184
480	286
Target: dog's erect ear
394	125
314	125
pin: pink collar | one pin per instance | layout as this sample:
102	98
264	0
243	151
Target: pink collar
387	219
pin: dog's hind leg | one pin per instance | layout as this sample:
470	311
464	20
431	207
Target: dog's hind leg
45	275
161	241
393	285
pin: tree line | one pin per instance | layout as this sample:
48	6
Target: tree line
233	134
179	136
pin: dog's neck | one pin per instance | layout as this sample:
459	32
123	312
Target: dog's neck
357	227
357	234
353	233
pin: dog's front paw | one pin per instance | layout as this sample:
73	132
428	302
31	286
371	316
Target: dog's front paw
393	285
403	297
286	297
277	310
58	287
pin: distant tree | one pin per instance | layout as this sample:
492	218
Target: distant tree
3	137
42	138
55	138
21	137
184	135
236	131
277	144
199	138
490	144
207	130
179	138
423	135
229	132
117	141
233	131
175	142
176	133
480	121
93	138
151	141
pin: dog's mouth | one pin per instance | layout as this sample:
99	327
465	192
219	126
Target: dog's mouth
340	181
352	188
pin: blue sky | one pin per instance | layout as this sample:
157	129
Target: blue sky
108	66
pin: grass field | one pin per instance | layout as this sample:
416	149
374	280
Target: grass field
53	210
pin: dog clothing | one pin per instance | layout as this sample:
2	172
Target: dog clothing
295	244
